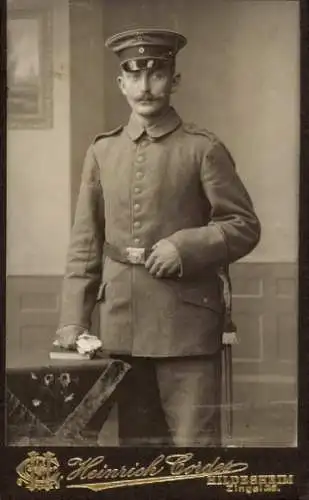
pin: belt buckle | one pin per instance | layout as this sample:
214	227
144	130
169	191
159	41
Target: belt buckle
135	255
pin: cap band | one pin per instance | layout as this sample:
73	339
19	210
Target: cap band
141	64
144	52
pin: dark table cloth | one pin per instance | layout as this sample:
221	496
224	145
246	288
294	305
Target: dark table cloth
59	402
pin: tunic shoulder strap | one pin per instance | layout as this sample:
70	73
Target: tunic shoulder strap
192	128
109	133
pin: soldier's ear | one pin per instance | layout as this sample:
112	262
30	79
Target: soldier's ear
176	82
121	84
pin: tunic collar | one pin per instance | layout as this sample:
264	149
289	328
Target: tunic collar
166	124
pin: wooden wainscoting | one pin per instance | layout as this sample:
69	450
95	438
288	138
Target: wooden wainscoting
33	307
32	312
264	360
265	304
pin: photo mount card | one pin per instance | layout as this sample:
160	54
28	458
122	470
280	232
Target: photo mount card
244	77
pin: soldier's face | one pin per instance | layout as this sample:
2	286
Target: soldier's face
147	91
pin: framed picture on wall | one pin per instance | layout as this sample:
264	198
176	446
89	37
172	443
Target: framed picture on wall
182	122
29	66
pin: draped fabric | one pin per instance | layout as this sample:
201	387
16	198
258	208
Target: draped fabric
60	406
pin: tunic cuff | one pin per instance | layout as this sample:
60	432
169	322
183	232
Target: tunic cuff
199	248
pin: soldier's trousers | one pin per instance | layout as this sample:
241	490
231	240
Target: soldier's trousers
171	402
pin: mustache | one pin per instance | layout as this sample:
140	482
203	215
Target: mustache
149	97
146	97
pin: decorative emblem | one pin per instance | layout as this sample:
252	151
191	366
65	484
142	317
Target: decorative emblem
39	472
141	50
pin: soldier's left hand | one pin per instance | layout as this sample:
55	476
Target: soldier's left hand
164	259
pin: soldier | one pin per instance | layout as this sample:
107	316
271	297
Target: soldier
161	210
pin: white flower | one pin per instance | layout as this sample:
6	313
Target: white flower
87	343
48	378
65	379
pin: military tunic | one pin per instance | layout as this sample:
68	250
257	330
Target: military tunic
138	186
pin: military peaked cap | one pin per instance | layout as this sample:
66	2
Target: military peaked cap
145	45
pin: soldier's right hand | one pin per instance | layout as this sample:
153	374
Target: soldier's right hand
67	336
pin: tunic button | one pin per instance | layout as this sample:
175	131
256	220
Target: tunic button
140	158
137	206
137	190
205	300
143	144
137	224
137	241
139	175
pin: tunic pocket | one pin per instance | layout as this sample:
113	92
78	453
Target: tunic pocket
199	298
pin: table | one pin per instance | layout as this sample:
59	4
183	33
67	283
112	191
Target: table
59	402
